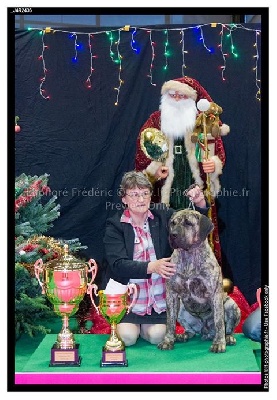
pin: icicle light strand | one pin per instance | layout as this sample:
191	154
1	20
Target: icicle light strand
74	59
119	57
152	59
228	27
257	56
43	79
183	53
133	41
223	67
232	43
165	50
88	81
111	45
203	40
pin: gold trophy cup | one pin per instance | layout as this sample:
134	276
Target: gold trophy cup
65	282
113	308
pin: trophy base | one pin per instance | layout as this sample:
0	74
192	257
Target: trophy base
113	358
65	357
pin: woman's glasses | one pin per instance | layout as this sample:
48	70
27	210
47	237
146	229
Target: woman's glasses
136	195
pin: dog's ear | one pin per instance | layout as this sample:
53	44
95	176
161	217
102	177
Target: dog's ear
171	218
205	227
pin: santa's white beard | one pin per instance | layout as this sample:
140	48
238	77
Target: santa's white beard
177	117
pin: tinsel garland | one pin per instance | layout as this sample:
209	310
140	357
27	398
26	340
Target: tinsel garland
45	247
36	188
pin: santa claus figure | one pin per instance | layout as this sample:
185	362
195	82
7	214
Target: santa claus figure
176	119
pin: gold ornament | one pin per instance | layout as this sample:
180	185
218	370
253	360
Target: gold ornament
154	144
228	285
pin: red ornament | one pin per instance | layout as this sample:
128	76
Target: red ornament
30	247
179	329
44	251
17	127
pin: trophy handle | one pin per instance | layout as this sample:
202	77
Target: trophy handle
132	288
93	269
94	287
38	269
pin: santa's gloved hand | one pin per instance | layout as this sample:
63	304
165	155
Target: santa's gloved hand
208	166
162	172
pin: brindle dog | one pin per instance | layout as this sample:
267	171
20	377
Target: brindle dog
194	294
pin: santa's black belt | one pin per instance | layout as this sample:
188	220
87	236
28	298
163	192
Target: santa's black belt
178	149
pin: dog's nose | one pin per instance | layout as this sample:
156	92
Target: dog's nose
174	235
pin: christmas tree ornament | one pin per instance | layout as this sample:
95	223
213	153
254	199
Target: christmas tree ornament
228	285
65	283
17	128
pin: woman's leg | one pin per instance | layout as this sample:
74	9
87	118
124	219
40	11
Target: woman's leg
153	333
129	333
252	326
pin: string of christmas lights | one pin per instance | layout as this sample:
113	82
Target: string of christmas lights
152	58
257	56
120	81
225	32
111	45
74	35
202	39
229	35
43	78
88	81
166	54
133	42
223	67
183	53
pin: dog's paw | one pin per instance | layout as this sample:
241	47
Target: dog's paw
166	345
230	340
218	348
181	337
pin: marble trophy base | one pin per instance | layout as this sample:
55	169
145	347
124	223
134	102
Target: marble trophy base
65	357
113	358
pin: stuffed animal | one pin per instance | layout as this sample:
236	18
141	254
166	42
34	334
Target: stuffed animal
212	122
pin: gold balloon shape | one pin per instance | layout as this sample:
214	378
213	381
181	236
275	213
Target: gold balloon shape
228	285
154	144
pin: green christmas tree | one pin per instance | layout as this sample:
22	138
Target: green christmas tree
35	211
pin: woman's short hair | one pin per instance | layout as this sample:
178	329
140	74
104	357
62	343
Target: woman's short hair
133	179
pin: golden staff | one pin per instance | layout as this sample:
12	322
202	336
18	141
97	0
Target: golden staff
208	178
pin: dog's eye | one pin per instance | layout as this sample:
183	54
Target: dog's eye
177	220
187	222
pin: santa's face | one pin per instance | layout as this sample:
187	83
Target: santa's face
177	95
178	114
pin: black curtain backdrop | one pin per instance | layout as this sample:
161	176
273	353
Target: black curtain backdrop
85	142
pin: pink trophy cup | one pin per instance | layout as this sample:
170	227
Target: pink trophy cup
65	282
113	308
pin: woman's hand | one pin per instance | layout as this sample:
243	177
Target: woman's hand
163	267
196	196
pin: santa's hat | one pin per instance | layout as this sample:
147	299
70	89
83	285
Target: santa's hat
188	86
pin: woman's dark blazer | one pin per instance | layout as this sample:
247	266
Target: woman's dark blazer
119	241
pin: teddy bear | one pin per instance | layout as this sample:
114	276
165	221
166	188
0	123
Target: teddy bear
212	112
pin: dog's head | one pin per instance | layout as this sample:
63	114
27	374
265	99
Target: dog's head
188	228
